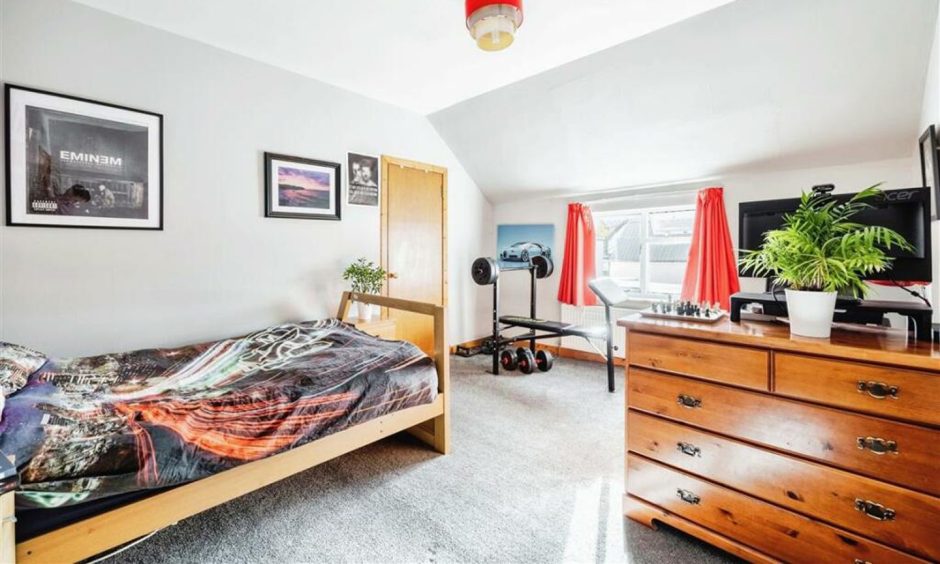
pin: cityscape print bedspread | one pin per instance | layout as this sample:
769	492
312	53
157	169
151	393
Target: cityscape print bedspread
86	428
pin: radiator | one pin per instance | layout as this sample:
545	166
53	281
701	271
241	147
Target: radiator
593	316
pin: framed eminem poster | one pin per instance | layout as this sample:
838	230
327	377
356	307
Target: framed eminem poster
301	188
363	174
73	162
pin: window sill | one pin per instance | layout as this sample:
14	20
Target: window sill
636	304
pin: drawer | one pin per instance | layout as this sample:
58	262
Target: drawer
765	527
653	516
825	434
806	487
890	392
701	359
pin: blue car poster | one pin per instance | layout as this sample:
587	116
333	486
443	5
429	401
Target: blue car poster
516	244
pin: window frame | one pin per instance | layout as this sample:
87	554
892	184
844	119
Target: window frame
645	295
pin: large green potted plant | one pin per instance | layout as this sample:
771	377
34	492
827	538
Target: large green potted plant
820	252
364	278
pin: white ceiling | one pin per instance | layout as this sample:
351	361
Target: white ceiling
752	85
412	53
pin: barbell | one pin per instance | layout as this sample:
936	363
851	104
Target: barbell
485	270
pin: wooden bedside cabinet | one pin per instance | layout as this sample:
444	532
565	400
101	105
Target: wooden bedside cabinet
381	328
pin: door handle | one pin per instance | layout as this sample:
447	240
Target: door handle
878	390
688	401
688	497
689	449
877	445
392	276
874	510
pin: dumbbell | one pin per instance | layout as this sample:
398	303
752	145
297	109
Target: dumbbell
524	360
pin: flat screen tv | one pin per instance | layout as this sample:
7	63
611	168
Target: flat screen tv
907	211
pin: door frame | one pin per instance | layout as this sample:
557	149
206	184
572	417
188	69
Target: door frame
388	162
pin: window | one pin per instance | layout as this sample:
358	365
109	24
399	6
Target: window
646	250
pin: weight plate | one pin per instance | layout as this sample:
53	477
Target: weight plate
484	271
544	360
543	266
526	360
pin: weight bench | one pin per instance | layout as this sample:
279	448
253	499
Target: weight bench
486	271
559	328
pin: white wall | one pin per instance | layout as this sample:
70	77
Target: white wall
895	173
930	114
220	268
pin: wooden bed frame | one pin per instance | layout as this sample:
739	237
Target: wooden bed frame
95	535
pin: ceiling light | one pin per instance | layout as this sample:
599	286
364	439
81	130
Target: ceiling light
493	23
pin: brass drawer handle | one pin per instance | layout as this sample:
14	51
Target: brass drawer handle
689	448
687	496
877	445
878	390
688	401
874	510
860	561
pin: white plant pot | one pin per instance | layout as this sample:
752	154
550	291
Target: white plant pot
811	313
363	311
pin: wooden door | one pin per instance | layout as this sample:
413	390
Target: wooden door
414	242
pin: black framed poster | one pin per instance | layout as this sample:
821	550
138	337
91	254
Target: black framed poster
301	188
73	162
930	168
363	180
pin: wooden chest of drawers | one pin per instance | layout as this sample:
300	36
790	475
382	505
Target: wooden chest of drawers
785	449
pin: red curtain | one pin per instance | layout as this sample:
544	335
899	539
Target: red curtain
578	262
711	274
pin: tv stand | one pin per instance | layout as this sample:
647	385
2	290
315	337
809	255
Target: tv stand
918	315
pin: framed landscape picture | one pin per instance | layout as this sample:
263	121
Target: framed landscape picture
301	188
73	162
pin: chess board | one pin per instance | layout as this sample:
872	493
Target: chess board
713	317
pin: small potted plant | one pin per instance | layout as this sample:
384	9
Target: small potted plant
364	278
820	252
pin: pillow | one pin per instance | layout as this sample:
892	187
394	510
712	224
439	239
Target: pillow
16	365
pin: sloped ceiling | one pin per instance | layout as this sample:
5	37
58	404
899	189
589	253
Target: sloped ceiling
416	54
752	85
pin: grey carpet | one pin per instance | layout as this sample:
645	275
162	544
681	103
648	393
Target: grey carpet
536	475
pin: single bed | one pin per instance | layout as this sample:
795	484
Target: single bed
125	444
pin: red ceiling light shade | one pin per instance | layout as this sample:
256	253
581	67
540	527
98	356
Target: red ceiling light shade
493	23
